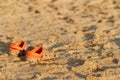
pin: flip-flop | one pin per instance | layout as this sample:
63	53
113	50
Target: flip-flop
38	54
17	47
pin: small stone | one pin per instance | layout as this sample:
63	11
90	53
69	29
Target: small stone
37	11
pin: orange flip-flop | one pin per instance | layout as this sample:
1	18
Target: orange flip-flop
38	54
20	46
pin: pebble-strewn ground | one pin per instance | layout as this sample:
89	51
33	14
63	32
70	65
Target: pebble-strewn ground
83	34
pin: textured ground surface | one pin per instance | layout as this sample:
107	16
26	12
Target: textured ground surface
84	35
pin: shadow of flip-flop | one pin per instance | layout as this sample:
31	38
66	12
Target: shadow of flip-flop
22	54
4	47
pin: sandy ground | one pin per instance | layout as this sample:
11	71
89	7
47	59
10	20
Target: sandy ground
83	34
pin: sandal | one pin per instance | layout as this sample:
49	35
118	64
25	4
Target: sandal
18	47
38	54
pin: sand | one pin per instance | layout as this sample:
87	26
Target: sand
83	34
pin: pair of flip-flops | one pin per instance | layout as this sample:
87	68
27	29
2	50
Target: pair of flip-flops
36	54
